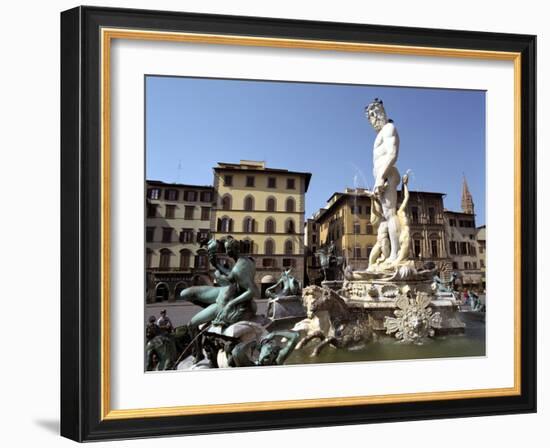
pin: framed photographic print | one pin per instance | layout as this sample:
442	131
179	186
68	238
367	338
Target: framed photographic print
273	223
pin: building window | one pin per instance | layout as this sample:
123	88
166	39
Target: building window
201	261
269	263
148	258
271	182
314	238
250	181
290	205
473	250
270	225
474	264
152	210
190	196
150	234
455	265
367	210
453	247
463	248
203	235
167	234
228	180
153	193
171	195
170	211
271	205
186	236
189	211
206	196
226	202
225	225
289	263
370	229
369	250
247	247
248	225
185	259
414	215
452	222
417	250
289	226
291	184
289	247
205	213
165	255
482	263
466	265
466	223
356	209
357	228
357	252
435	252
431	215
269	247
249	203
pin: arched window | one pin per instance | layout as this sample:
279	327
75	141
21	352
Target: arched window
201	260
270	225
248	225
289	247
247	247
289	226
417	245
225	224
185	259
226	202
271	204
249	203
434	245
162	292
290	205
269	248
165	255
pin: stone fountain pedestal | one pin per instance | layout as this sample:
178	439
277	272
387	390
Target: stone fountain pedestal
378	298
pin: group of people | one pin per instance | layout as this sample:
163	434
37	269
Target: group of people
162	325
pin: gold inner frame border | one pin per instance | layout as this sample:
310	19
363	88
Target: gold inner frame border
107	35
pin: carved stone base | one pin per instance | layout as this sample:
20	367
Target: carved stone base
383	291
335	285
378	298
451	323
286	307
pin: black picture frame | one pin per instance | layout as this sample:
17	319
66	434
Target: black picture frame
81	381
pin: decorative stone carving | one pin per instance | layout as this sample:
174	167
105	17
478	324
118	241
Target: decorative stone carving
414	320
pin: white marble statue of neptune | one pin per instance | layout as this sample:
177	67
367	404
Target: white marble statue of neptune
386	175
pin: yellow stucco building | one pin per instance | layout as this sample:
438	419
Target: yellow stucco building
264	209
346	221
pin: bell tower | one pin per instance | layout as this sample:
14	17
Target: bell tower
467	200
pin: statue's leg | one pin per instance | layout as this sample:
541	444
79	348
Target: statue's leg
200	295
317	335
322	345
389	207
204	316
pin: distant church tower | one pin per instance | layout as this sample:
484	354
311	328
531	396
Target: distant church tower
467	201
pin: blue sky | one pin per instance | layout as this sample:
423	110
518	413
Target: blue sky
191	124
